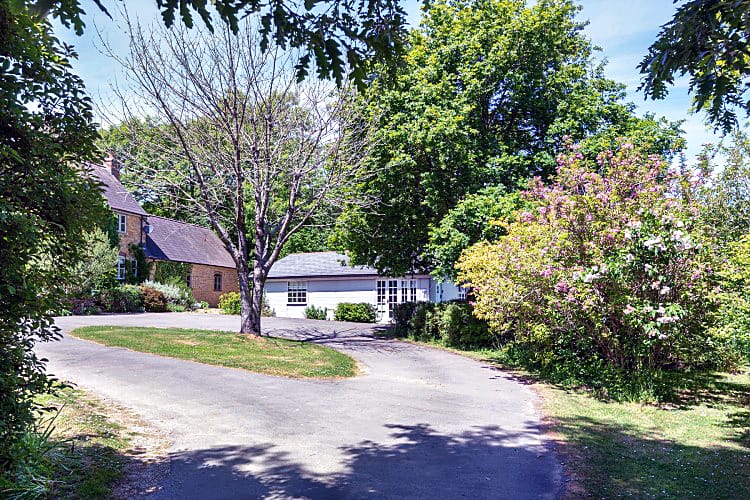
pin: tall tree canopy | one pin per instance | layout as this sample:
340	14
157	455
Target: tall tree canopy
707	40
487	92
338	36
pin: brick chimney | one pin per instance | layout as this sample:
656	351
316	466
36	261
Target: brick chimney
113	165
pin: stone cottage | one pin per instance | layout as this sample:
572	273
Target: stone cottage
212	269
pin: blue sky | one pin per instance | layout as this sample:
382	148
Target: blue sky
623	29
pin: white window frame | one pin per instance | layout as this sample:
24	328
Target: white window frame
296	293
412	290
120	268
461	293
122	223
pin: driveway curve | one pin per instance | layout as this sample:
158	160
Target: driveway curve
418	422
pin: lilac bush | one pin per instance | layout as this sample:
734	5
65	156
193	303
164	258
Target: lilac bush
608	273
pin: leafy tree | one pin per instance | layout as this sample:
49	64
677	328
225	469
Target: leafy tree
46	205
482	216
134	144
336	35
726	200
487	93
707	40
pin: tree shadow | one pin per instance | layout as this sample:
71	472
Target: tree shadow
607	460
415	461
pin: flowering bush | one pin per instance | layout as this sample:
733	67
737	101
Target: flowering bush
607	275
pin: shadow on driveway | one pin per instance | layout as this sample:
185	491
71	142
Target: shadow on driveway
420	463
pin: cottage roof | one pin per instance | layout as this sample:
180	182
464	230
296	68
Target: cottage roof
182	242
317	264
115	193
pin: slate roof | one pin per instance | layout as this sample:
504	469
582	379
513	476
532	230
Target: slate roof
317	264
182	242
115	193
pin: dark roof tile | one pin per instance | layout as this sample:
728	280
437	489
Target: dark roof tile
317	264
115	193
182	242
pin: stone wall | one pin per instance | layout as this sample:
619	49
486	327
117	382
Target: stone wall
132	234
202	282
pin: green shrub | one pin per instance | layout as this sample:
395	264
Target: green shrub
312	312
175	308
203	304
124	298
607	277
153	300
361	312
230	303
178	294
452	323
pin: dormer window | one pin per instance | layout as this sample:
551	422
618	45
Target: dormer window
121	223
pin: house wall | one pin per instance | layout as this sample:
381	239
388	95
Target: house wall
132	234
202	282
329	293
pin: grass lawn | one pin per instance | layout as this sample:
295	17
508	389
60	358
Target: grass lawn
272	356
696	447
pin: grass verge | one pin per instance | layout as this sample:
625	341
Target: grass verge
697	446
268	355
80	450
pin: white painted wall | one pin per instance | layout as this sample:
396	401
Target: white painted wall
330	292
326	293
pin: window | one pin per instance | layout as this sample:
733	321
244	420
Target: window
121	268
296	292
404	291
412	290
461	293
188	281
392	295
121	223
381	291
217	282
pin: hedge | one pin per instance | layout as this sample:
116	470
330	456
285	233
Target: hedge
452	323
360	312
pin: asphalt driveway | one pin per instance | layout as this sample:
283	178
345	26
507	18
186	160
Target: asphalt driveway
418	423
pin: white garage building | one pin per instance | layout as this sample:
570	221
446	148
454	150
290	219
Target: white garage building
325	279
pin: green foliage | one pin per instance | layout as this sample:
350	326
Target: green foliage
46	205
707	40
96	270
451	323
171	272
486	94
608	278
230	303
123	298
176	294
343	37
153	300
360	312
725	201
733	318
312	312
478	217
142	266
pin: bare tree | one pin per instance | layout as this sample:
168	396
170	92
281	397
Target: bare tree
248	147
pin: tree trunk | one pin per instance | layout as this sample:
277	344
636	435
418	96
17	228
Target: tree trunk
249	322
